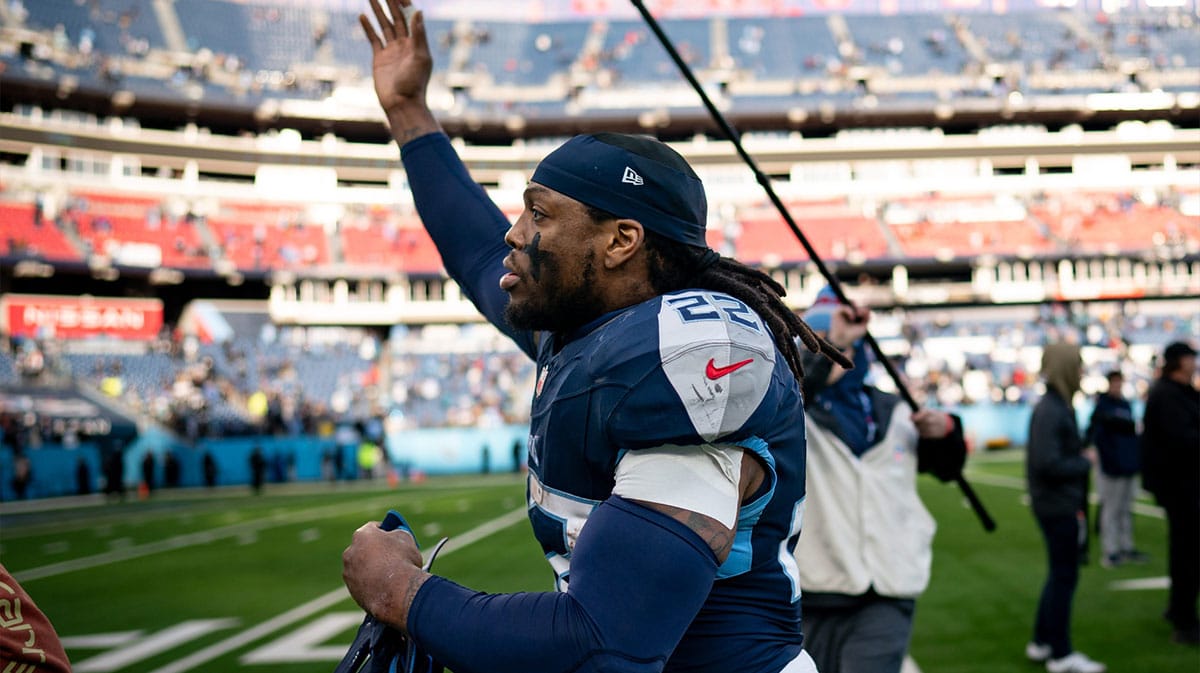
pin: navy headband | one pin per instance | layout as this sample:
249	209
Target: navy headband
664	199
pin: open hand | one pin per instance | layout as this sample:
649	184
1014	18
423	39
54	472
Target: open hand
400	59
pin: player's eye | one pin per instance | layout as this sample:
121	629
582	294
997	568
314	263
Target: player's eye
536	215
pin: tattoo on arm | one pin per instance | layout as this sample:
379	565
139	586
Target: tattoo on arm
713	532
411	133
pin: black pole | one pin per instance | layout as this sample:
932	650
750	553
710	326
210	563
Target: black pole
734	137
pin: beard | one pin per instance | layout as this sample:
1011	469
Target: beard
554	304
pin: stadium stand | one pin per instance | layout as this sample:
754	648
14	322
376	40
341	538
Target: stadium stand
915	44
24	234
781	49
112	26
241	30
265	236
525	54
136	231
992	221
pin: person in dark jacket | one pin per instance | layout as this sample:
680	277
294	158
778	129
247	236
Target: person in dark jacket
1114	432
1171	471
1056	470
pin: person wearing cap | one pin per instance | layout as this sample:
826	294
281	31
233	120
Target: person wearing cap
666	446
867	546
1113	430
1171	471
1057	467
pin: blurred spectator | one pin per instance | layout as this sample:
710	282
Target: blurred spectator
210	470
1171	471
1057	474
22	475
171	469
1113	430
258	469
114	472
148	477
83	477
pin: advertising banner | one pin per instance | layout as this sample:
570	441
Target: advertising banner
51	317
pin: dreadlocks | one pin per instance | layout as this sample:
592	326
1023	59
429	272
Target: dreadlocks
678	266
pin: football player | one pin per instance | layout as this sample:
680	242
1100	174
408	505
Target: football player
666	447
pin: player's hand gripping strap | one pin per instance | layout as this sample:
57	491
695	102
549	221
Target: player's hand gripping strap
378	648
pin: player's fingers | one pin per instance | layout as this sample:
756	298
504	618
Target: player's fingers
372	37
418	32
398	16
385	26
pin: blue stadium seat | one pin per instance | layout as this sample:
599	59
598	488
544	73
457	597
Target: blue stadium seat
113	22
908	44
636	57
773	49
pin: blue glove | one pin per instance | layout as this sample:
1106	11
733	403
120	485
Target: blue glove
378	648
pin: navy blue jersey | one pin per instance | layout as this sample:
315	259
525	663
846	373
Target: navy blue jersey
683	369
666	372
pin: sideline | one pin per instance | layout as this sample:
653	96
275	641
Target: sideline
189	540
1016	483
321	602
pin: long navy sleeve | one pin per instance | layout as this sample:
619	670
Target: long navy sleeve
638	578
467	228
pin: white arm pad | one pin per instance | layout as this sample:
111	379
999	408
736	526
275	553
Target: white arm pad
702	479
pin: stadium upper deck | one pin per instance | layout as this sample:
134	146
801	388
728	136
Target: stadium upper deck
276	60
99	174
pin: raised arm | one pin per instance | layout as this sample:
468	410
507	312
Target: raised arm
467	228
400	66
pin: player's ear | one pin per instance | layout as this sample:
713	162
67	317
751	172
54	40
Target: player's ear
627	239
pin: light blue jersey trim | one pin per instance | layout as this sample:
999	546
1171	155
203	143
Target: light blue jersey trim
742	552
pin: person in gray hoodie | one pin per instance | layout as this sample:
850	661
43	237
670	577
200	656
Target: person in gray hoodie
1056	470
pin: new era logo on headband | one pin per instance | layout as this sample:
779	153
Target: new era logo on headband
632	177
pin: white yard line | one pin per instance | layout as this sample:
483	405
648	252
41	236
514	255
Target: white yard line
1141	584
1018	484
909	666
188	540
321	602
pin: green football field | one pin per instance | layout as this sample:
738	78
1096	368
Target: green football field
229	581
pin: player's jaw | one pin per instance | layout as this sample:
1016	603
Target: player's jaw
554	298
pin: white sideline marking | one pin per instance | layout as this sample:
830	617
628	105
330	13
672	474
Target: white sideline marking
123	553
321	602
295	647
159	642
99	641
909	666
1016	483
1141	584
254	633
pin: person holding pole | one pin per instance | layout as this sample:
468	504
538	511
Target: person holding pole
867	546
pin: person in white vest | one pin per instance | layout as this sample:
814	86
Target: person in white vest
866	546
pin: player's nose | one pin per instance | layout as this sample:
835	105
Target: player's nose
515	237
